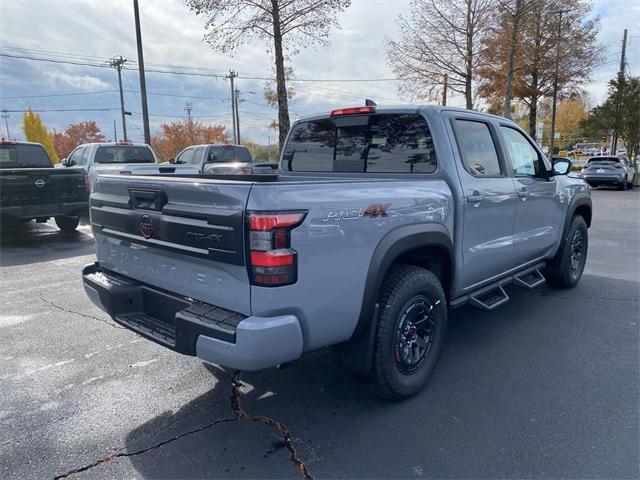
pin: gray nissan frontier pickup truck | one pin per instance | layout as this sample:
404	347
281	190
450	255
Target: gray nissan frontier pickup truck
378	222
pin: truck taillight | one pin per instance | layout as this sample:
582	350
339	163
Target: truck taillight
86	183
272	261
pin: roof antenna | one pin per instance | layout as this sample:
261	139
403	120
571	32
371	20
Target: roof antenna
370	103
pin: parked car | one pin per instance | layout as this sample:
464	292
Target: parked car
32	189
609	171
109	157
217	159
378	222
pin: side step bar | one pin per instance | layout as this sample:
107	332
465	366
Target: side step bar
529	279
489	298
493	295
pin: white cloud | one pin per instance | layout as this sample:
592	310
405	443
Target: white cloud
79	82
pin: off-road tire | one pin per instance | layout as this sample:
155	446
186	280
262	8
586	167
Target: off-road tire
402	285
67	224
560	271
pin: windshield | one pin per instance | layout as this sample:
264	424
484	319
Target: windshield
124	154
225	154
23	156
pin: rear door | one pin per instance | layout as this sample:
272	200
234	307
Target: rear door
539	212
175	234
489	200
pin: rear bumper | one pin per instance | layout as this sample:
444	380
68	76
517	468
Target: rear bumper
613	179
46	210
194	328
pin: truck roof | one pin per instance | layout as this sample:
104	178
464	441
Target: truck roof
116	144
407	108
16	142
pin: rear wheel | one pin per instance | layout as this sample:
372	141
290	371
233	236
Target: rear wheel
411	331
623	185
67	224
565	269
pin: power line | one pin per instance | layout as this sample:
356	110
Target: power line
62	110
209	75
58	94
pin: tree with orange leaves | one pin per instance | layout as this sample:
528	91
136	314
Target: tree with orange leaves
175	136
74	135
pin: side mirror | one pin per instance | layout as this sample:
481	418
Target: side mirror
561	166
172	160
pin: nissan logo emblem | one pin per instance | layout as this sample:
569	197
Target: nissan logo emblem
145	226
39	183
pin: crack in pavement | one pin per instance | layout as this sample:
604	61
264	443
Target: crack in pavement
85	315
238	414
282	429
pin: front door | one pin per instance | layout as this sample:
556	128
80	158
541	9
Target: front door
539	210
489	201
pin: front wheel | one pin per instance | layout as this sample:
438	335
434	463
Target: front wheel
565	269
67	224
411	331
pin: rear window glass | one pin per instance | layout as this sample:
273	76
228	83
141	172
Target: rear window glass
225	154
384	143
604	159
124	154
23	156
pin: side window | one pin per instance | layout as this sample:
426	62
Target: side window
76	155
400	143
186	156
84	158
477	149
524	158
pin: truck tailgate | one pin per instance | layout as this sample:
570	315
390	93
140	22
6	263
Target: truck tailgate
41	186
177	234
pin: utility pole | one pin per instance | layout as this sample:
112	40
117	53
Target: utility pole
5	115
555	85
187	108
115	132
231	76
117	63
237	117
444	90
143	83
623	62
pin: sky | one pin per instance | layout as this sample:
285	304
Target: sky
85	31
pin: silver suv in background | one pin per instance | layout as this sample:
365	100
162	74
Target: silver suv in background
616	171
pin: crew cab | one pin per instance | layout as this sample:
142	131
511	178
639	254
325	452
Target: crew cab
216	159
32	189
378	222
110	157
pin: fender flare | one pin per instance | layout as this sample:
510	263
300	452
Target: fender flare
578	200
357	353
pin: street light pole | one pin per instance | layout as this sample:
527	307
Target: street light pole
143	83
555	86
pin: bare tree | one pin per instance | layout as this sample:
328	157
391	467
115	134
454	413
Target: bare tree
230	23
440	37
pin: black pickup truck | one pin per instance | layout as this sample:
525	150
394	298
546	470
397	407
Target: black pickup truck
31	189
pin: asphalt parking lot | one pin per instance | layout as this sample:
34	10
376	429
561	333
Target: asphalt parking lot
547	386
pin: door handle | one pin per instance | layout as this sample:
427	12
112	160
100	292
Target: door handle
523	193
476	197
